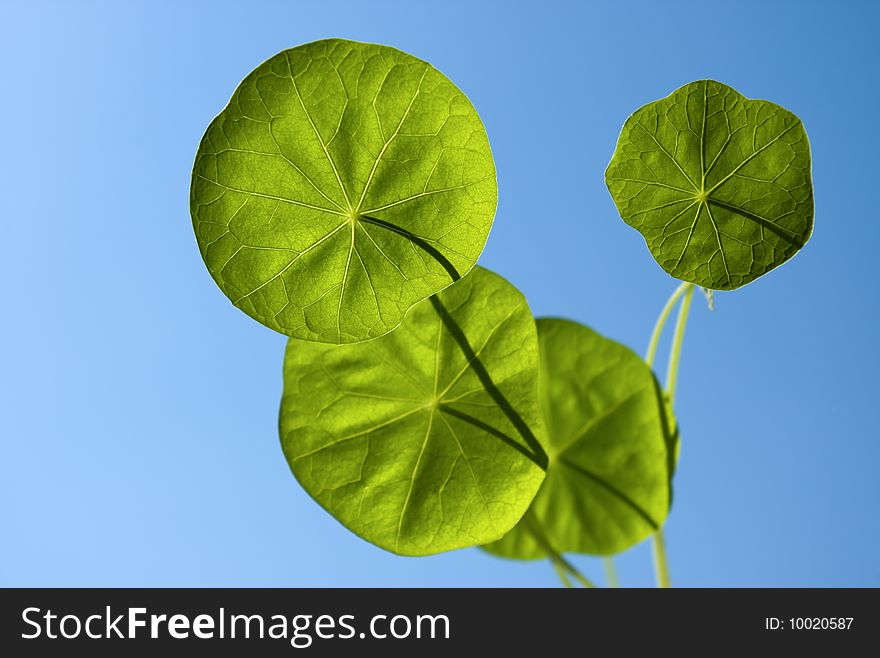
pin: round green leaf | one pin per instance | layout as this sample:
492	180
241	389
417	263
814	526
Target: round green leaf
611	447
429	438
343	183
719	185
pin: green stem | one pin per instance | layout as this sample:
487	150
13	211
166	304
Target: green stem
610	572
661	565
661	322
677	339
534	527
562	575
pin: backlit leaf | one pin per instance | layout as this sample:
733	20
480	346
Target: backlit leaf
428	438
343	183
611	447
719	185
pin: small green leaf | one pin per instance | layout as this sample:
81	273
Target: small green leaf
429	438
611	448
343	183
719	185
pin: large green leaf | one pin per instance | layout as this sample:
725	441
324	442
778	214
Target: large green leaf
343	183
611	448
718	185
429	438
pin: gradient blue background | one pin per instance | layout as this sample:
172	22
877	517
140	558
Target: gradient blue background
138	423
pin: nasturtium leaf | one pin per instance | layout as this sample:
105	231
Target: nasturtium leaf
718	184
611	447
343	183
429	438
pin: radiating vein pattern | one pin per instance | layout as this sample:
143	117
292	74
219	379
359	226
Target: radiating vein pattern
610	440
313	142
719	185
428	438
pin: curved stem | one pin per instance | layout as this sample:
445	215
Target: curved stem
534	527
610	572
677	339
661	567
661	321
562	575
577	575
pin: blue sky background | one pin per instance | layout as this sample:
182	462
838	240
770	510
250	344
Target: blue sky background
138	407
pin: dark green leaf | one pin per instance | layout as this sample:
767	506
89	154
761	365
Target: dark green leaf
611	447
